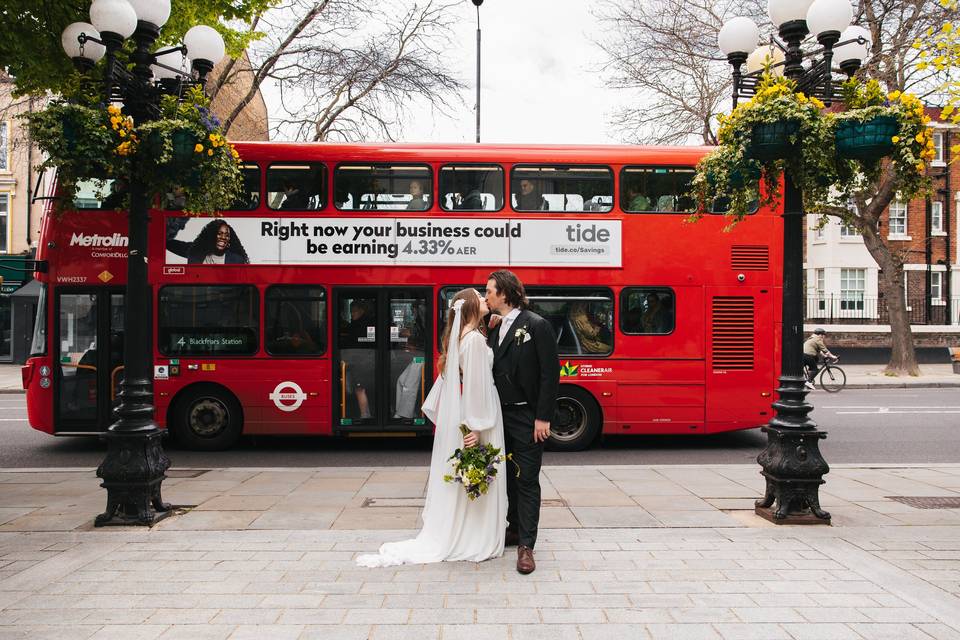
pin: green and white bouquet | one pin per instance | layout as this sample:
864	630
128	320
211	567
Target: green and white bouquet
475	467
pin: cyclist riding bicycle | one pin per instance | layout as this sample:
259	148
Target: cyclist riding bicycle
812	348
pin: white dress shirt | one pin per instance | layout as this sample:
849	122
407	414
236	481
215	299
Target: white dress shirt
505	325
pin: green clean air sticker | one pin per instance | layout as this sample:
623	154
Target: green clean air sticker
418	360
346	421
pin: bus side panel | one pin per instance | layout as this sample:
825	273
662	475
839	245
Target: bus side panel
39	400
739	357
278	397
660	396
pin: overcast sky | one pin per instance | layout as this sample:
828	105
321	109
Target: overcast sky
539	82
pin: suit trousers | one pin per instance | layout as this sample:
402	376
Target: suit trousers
523	493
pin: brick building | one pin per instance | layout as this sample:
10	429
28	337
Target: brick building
843	279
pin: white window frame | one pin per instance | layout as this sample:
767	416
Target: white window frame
938	150
898	205
5	213
821	294
906	299
848	297
5	146
936	285
936	218
848	232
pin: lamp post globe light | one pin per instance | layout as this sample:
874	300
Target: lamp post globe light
792	463
135	463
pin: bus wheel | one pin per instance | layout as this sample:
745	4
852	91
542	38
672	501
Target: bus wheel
207	419
577	421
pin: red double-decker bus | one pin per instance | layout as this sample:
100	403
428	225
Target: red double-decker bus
315	305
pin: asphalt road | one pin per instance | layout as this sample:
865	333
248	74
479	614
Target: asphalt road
864	426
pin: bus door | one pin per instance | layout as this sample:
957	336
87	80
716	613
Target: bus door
382	359
89	345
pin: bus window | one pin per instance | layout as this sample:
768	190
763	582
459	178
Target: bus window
95	193
656	189
296	319
471	187
582	319
647	310
383	187
199	320
296	187
556	188
249	197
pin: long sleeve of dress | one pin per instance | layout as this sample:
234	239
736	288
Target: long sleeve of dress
479	400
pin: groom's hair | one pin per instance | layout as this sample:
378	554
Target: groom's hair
510	286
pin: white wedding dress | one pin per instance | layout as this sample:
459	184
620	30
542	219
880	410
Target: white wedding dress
454	527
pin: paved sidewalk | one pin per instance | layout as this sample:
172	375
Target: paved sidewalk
859	376
625	552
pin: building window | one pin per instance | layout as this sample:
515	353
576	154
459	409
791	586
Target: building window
4	146
817	231
821	289
852	287
938	148
848	231
936	287
898	218
936	217
4	221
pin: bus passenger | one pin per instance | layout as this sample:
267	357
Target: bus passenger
417	201
636	201
593	336
529	199
360	361
294	197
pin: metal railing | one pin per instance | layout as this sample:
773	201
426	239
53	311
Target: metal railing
841	309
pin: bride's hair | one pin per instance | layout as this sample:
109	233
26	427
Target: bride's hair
469	313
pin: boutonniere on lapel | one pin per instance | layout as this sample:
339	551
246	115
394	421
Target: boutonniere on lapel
521	335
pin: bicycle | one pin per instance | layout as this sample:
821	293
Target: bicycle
832	378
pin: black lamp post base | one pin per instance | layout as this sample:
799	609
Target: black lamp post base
794	469
132	473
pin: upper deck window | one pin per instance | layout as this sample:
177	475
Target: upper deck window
297	186
471	187
656	189
561	188
383	187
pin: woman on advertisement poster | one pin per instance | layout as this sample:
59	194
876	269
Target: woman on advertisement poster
217	243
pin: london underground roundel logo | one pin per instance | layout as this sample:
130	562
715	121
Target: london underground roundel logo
288	396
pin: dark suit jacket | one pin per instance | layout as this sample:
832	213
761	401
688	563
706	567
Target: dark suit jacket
529	371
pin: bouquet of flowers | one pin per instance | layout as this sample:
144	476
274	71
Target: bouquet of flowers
475	467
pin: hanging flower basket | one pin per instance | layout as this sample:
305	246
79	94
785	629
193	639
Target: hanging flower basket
773	140
869	141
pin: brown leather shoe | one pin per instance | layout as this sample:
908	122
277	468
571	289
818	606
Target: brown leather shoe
525	563
511	538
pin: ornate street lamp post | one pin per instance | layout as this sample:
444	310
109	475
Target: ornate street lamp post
477	3
135	464
792	463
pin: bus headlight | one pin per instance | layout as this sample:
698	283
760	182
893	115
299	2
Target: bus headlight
44	383
45	371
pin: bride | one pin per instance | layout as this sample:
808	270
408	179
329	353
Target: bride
454	527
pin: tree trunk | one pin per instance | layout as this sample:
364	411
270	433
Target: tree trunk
903	357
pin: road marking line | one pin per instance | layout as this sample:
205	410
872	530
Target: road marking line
882	411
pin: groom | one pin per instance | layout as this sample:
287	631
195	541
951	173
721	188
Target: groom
526	370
